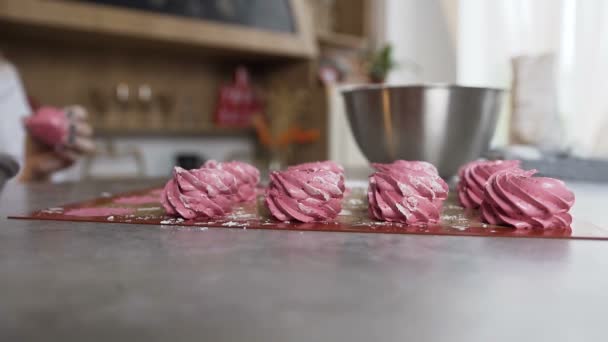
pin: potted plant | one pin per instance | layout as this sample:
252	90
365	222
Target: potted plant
381	63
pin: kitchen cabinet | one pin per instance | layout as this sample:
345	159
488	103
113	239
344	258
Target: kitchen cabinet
77	20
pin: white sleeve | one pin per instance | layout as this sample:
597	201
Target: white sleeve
13	108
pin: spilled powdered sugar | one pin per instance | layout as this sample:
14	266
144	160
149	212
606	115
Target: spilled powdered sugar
450	206
316	191
305	209
405	212
417	182
405	189
355	201
412	203
243	225
241	215
372	223
148	208
172	221
54	210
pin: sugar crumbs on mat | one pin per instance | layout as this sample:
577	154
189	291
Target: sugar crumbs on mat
95	212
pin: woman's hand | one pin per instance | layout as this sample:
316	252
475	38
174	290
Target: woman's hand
41	160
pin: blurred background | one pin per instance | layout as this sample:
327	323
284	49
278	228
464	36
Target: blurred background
184	81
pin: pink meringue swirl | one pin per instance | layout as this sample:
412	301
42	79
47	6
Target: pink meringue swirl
305	195
513	197
49	125
328	165
474	176
198	193
247	177
412	196
408	165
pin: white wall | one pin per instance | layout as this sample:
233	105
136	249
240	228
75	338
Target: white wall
342	145
420	33
481	59
481	55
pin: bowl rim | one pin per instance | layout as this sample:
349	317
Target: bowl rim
351	88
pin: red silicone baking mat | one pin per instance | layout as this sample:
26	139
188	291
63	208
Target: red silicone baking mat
143	207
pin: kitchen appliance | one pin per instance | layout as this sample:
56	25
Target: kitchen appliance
447	125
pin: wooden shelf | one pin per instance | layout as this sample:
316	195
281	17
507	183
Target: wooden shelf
81	22
341	40
175	132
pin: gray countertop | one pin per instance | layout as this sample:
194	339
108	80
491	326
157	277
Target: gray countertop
113	282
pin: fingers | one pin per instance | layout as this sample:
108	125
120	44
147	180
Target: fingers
84	145
68	154
48	163
80	145
44	160
61	158
76	113
82	129
81	132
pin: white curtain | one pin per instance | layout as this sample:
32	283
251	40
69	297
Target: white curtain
490	33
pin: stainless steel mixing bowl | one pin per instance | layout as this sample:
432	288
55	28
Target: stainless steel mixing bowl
447	125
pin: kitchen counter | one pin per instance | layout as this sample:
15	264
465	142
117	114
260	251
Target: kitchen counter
114	282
